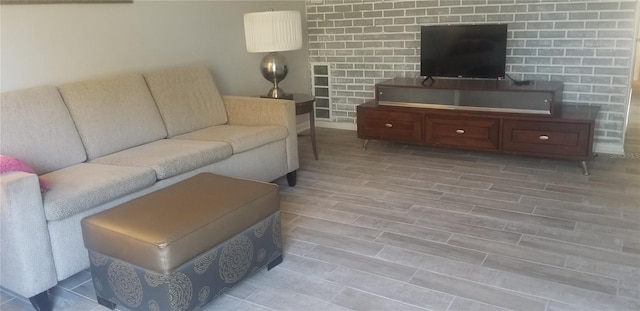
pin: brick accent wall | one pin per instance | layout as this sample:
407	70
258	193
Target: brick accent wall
586	44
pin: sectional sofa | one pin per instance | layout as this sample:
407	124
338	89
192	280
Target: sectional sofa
99	143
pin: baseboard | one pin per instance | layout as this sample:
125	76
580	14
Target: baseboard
302	123
301	127
336	125
608	148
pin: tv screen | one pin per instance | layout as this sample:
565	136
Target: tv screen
463	51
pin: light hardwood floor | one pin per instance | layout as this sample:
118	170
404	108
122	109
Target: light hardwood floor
400	227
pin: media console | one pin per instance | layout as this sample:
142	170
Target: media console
487	115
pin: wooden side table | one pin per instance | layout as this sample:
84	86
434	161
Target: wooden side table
304	104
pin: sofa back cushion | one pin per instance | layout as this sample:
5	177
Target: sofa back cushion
35	127
187	98
113	114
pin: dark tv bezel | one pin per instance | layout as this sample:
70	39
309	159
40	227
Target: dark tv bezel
501	29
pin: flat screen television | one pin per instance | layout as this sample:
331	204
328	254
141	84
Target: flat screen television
463	51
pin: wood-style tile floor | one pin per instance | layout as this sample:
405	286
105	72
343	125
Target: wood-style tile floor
400	227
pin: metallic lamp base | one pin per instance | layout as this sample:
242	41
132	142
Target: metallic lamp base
274	68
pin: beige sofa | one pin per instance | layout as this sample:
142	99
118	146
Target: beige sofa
103	142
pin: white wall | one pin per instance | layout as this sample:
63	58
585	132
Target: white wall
55	44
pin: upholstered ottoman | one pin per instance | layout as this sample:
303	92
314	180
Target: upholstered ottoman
181	246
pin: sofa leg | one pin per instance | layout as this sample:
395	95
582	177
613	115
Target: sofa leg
292	178
41	302
274	262
106	303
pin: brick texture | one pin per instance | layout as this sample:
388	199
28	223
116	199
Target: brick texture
586	44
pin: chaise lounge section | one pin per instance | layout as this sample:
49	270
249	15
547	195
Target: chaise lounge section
100	143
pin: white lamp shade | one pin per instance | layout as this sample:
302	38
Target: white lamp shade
273	31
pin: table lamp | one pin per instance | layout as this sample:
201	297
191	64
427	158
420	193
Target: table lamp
273	32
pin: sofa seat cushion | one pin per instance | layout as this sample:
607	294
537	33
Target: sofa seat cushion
170	157
80	187
241	138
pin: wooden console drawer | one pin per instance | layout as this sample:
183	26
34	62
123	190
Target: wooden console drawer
470	133
547	138
397	126
386	125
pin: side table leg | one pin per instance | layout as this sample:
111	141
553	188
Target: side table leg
364	144
585	169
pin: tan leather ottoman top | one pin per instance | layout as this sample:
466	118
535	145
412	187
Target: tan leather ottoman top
164	229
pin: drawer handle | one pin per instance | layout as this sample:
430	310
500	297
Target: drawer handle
543	137
460	131
388	125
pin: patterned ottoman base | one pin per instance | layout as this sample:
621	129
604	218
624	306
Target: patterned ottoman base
196	282
179	247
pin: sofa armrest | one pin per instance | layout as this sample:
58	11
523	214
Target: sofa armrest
243	110
26	259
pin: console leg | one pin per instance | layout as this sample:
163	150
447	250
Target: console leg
585	169
106	303
274	262
364	144
292	178
41	302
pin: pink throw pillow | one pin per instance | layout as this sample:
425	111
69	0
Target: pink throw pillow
11	164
